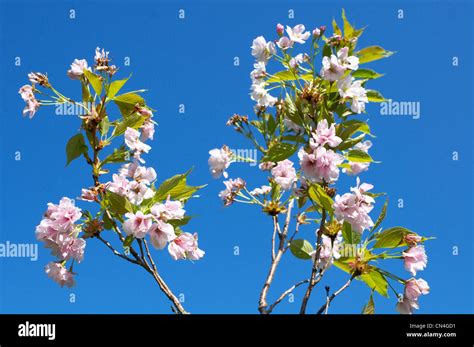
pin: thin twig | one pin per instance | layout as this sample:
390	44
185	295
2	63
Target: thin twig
107	243
331	298
314	271
327	299
286	293
276	260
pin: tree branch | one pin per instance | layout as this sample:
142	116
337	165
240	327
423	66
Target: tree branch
333	296
285	293
275	259
314	271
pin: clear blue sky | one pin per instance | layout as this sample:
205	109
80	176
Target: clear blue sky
190	62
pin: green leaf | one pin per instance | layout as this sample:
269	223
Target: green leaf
350	127
358	156
350	236
127	102
279	152
135	122
370	307
75	147
94	80
381	217
119	204
287	75
376	281
108	224
119	155
351	142
336	28
301	249
176	188
348	28
372	53
392	237
318	196
179	222
327	52
115	87
366	74
104	125
375	96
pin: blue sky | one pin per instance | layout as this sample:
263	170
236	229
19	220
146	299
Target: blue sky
190	62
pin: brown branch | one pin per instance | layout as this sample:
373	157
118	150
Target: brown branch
139	260
285	293
333	296
117	253
314	271
262	306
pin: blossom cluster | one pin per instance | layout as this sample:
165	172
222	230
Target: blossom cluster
308	117
59	232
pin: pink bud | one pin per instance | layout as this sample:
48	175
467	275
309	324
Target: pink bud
280	29
316	33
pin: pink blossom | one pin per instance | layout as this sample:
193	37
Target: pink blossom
322	164
350	62
406	306
32	105
169	210
77	69
132	140
297	60
262	50
88	195
298	33
263	190
185	246
232	188
280	29
60	274
119	185
139	191
355	207
332	70
329	251
415	259
325	134
143	174
70	247
161	233
219	161
137	224
148	130
284	43
65	214
413	239
416	287
284	174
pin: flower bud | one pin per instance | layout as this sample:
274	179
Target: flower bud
280	29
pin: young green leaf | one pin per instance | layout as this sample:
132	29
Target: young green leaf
75	147
392	237
376	281
115	87
375	96
119	204
301	249
372	53
370	307
94	80
318	196
358	156
279	152
366	74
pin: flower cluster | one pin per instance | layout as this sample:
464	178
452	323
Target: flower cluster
59	233
355	207
129	203
307	133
